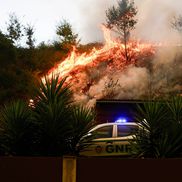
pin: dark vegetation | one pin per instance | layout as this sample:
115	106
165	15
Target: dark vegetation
160	135
51	126
23	64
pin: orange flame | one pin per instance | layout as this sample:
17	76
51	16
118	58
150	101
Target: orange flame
112	50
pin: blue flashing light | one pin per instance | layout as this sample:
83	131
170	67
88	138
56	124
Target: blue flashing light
121	120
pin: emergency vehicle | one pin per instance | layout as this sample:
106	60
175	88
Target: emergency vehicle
109	139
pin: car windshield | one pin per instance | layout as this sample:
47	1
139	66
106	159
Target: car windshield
126	130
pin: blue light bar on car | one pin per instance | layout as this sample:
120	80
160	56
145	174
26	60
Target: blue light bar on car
121	120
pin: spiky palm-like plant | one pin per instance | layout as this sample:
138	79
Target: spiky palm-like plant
16	128
151	118
60	122
175	109
83	119
52	113
160	135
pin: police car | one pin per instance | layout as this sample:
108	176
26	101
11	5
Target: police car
109	139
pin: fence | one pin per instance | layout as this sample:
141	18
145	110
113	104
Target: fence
68	169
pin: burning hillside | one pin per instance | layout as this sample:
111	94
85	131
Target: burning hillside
101	66
105	73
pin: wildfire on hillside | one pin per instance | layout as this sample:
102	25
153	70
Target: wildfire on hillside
112	51
105	73
84	71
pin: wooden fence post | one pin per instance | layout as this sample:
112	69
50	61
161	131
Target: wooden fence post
69	169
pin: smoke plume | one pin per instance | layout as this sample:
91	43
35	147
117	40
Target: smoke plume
153	76
154	20
154	17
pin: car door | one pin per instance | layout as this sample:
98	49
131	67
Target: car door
101	137
121	143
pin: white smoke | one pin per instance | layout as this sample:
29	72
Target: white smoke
154	19
167	68
131	83
162	76
91	16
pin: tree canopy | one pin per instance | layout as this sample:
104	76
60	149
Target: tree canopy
121	19
14	29
66	35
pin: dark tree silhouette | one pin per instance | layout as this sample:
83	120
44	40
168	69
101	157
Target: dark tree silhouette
14	29
29	32
121	19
